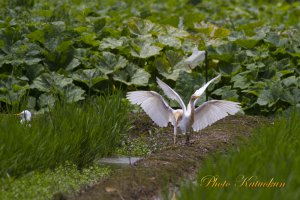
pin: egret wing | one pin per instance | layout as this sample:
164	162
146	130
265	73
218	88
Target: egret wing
212	111
154	105
200	91
170	93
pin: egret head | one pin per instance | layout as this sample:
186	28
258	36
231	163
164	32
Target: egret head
25	116
194	97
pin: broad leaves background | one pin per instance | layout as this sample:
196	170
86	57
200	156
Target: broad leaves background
72	49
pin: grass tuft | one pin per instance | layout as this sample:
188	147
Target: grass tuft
63	180
78	133
271	154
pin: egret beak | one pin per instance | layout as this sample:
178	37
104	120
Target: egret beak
17	114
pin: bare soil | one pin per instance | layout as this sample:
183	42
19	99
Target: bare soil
159	174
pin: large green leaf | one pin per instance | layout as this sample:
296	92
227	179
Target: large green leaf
171	65
46	100
112	43
212	31
9	37
240	81
99	23
290	81
132	75
49	82
12	89
54	35
273	38
73	64
90	77
224	52
110	63
270	95
176	32
244	41
254	66
247	43
266	98
165	69
144	49
226	93
143	27
169	40
174	58
229	69
59	54
37	35
90	39
255	88
72	93
34	71
292	96
57	85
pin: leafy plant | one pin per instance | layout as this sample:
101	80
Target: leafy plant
78	133
97	46
50	184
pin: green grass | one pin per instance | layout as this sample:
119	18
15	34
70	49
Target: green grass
78	133
44	185
273	152
134	147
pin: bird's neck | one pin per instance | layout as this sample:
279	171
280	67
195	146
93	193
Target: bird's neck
190	108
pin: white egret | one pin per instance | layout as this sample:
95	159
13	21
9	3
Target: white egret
25	116
188	118
196	58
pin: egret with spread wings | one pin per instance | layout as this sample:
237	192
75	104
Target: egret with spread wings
189	118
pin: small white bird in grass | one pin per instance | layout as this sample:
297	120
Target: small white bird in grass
25	117
188	118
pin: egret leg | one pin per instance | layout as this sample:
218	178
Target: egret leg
187	142
175	133
174	139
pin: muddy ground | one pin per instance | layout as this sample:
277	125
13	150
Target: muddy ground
160	173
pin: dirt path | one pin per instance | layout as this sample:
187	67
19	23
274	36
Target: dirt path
154	176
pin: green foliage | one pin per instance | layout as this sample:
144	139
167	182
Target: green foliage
272	152
44	185
134	147
95	45
78	133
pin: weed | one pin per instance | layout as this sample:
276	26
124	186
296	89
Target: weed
64	179
78	133
271	155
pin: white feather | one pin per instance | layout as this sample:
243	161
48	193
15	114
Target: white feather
170	93
212	111
25	116
154	105
201	90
